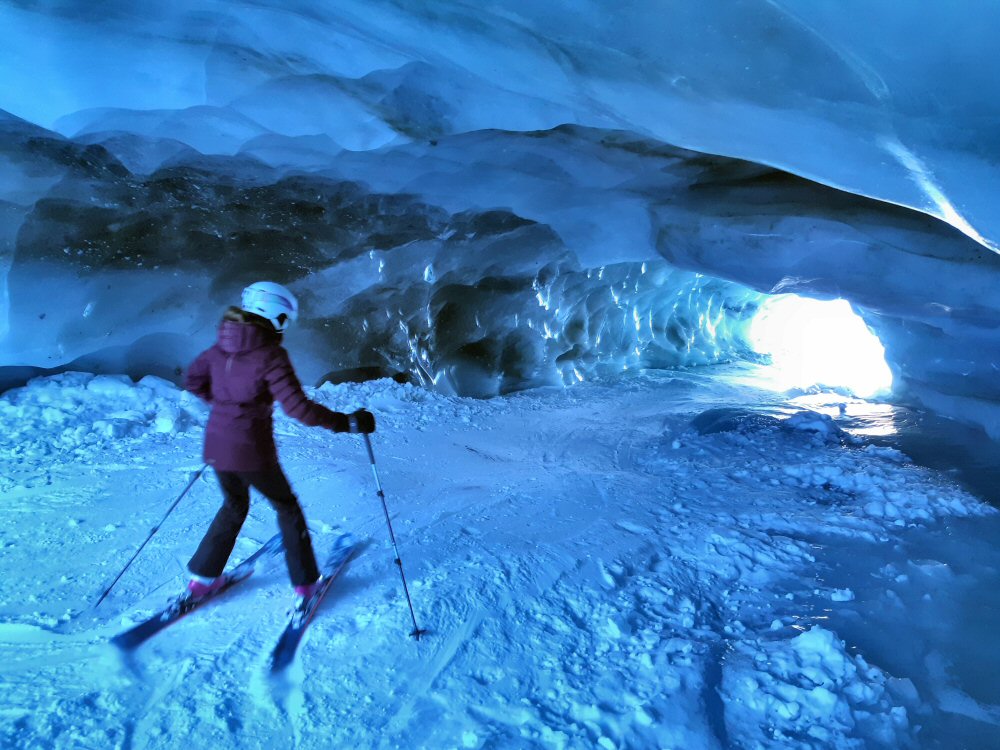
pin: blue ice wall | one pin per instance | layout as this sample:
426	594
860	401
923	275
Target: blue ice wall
421	172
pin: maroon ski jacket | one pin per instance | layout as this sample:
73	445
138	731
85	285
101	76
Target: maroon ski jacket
241	376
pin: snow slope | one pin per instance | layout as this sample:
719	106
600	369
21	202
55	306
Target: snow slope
593	571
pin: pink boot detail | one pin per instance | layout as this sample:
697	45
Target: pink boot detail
197	589
307	590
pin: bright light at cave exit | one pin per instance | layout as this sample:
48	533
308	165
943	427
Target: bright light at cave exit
817	342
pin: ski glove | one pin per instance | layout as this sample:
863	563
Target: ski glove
361	421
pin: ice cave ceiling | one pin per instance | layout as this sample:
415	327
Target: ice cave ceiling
493	195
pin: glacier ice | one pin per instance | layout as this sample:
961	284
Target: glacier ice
878	99
469	300
519	151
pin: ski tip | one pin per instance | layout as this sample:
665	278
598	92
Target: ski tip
276	669
126	643
121	643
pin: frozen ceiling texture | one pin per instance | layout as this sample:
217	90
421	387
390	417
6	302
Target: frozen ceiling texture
489	196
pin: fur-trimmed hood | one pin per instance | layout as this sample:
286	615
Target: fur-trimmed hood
242	331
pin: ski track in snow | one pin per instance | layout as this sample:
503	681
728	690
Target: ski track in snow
592	574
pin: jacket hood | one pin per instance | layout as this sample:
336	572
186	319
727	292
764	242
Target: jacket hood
242	331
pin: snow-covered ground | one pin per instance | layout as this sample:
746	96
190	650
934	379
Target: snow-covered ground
594	573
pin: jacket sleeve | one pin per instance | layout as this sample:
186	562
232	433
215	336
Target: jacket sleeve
198	379
285	387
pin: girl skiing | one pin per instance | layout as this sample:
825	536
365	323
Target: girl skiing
241	377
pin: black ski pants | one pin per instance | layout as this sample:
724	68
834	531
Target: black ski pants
212	554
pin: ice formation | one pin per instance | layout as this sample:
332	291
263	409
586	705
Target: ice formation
483	198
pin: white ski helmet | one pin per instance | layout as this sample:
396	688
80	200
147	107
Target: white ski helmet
271	301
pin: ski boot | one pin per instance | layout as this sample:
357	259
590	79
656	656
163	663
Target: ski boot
200	586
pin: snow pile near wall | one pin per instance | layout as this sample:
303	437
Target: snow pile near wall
856	490
399	405
880	490
76	416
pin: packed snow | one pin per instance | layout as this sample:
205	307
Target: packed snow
671	560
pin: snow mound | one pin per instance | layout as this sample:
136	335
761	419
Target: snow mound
75	415
398	404
809	692
882	490
816	423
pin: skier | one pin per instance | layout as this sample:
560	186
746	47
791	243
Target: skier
241	377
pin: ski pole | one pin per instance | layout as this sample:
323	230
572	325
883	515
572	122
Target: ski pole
417	632
151	533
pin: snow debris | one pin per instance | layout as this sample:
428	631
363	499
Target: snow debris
397	404
586	580
76	415
809	692
810	421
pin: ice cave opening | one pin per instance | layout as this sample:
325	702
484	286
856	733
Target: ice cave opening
814	342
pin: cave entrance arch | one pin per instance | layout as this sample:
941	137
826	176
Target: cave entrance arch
819	342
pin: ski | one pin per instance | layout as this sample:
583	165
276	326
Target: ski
284	652
185	604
